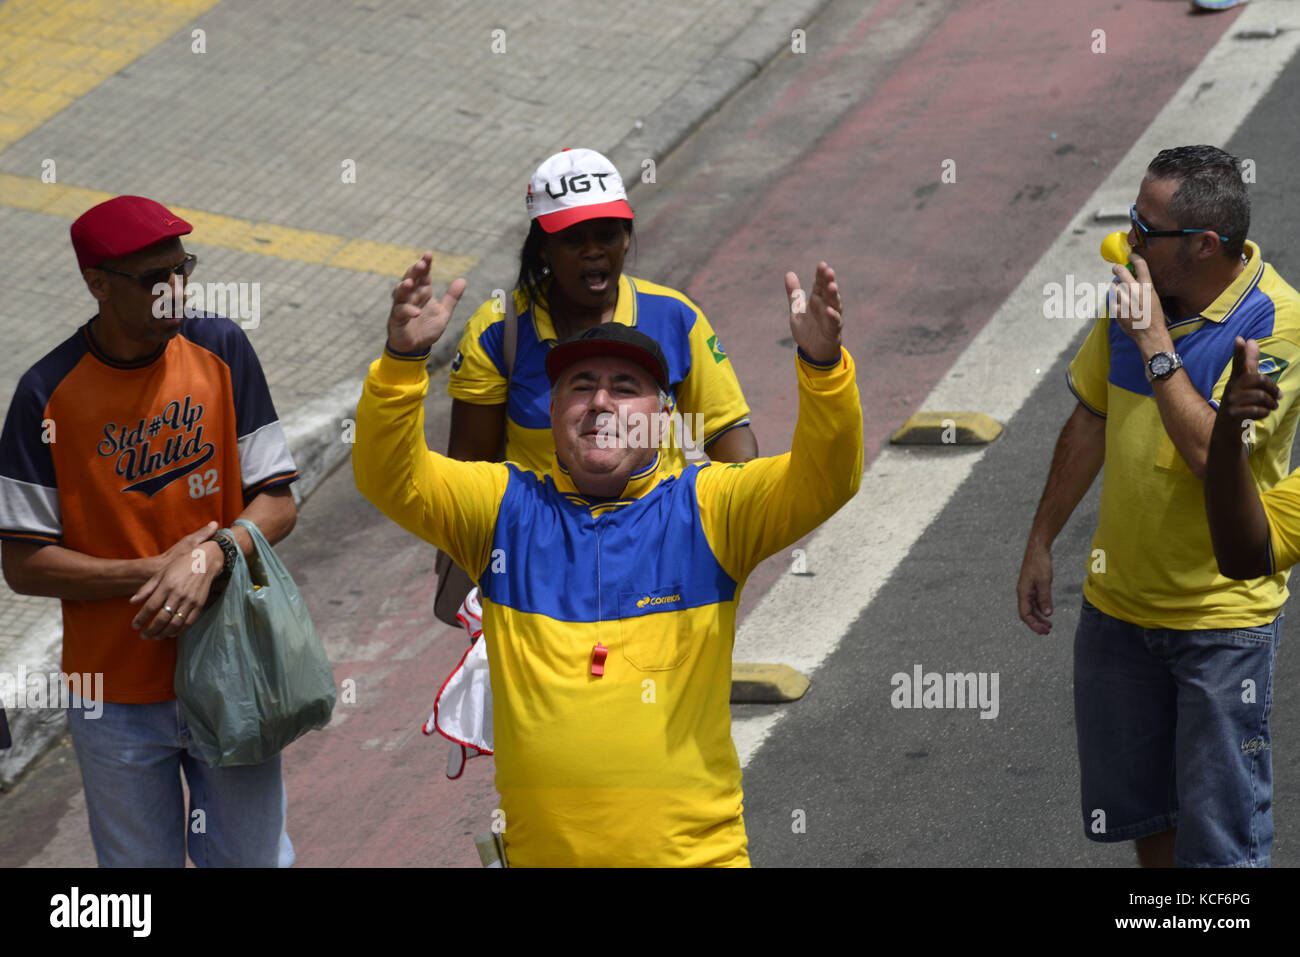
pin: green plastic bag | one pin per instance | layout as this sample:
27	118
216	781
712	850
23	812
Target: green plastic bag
251	674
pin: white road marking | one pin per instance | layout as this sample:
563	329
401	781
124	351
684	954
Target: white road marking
858	549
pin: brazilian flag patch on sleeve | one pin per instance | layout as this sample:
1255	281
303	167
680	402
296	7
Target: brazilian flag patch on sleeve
1271	366
720	353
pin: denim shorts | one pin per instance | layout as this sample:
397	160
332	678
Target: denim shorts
131	758
1173	732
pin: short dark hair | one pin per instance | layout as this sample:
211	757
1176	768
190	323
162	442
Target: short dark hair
1211	192
534	279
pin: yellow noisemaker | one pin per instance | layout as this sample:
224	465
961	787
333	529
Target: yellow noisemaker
1115	249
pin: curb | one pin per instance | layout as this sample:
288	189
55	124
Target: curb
315	431
33	731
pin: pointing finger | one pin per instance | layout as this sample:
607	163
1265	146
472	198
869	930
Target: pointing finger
1238	358
1251	357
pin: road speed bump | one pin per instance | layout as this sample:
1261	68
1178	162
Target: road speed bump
766	684
947	428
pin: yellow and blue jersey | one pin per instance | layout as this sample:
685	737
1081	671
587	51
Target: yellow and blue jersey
1282	509
700	374
635	766
1152	562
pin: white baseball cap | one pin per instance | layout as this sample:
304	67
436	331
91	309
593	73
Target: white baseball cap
573	186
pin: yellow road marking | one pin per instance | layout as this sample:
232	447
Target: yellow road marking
227	232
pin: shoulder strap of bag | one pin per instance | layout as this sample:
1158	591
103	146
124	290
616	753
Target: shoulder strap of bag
511	333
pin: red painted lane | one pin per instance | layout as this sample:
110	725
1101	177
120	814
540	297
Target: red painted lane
924	264
372	791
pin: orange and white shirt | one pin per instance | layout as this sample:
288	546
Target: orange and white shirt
122	459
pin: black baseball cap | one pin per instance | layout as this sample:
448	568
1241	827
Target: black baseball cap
609	339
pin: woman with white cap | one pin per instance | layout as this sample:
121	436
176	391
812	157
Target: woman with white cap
571	278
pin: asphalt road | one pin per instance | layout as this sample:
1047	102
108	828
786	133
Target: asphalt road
887	787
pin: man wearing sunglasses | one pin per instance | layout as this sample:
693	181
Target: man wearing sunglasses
1173	661
124	450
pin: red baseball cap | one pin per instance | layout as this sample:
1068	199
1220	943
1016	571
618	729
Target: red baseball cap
123	226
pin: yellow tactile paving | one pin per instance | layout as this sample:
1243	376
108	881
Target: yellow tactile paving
227	232
52	53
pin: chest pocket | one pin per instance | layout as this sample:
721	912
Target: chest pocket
652	637
1168	458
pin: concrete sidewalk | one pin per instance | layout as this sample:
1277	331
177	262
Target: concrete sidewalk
319	149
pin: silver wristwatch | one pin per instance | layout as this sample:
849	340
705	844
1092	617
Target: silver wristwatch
1162	365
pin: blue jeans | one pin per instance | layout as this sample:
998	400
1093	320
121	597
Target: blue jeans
1173	732
131	757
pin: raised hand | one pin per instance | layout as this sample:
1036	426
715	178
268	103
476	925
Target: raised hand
417	320
816	319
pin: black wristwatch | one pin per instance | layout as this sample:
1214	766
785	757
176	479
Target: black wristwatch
1162	365
229	552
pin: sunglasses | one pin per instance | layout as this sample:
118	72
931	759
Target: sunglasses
1145	232
153	277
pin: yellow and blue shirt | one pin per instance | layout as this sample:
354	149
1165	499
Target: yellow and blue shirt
700	374
1152	562
635	766
1282	508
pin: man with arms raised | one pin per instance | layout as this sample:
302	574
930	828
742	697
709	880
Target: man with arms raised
609	584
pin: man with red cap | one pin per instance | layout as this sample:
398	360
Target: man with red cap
609	582
124	450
